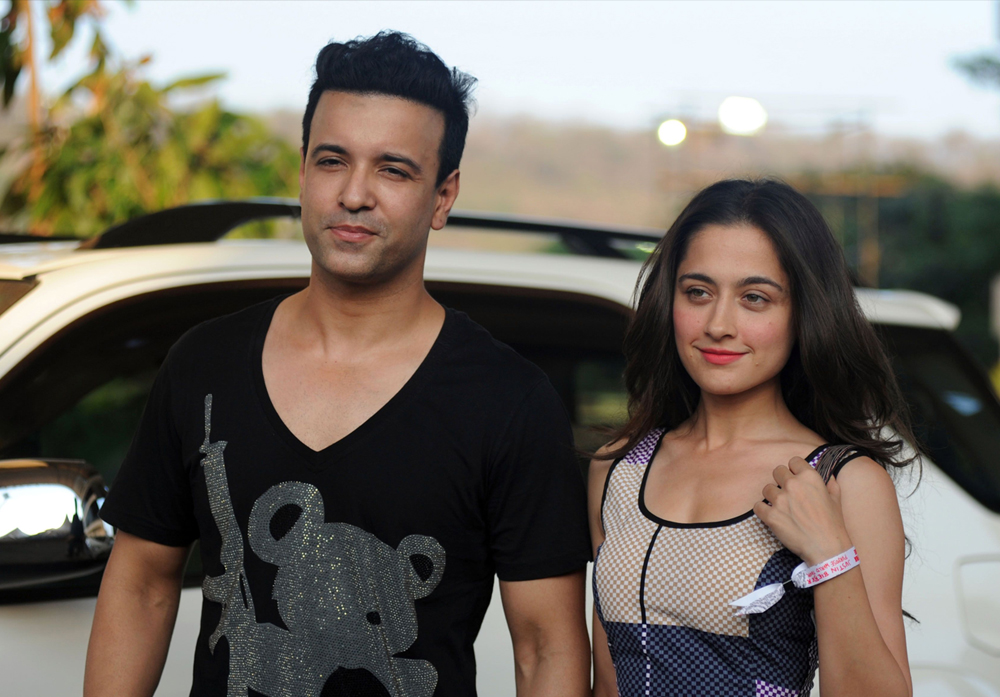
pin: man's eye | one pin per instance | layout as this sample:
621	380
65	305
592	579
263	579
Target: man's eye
395	172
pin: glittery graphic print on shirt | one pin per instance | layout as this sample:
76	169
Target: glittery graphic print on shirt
663	589
345	597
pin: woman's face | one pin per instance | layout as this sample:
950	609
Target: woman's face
732	310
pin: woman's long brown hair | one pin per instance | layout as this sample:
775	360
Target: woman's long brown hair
838	380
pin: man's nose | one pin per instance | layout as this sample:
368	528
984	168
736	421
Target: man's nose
357	193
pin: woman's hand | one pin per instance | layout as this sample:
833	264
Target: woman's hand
859	621
804	513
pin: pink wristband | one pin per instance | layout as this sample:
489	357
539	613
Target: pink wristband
807	577
802	577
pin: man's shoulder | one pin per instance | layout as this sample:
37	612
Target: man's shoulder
476	350
221	338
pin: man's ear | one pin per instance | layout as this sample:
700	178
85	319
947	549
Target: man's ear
447	192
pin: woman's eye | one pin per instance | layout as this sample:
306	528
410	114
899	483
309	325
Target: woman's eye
695	292
755	299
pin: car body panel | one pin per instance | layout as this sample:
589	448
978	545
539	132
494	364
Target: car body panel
938	638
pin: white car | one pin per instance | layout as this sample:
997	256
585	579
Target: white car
84	327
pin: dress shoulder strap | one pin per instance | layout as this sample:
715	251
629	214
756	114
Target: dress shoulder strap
832	459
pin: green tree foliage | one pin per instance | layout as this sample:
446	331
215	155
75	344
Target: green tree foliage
945	241
16	44
112	147
132	154
984	69
63	17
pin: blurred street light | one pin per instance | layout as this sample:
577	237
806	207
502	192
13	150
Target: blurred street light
671	132
742	116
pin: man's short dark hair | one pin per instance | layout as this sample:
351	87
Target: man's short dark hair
397	65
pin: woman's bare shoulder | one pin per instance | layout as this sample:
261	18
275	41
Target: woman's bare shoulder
604	458
866	477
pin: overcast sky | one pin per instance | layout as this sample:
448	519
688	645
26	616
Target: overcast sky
620	63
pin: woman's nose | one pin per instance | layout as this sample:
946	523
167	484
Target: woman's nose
722	320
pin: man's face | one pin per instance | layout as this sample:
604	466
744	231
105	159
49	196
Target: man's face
368	189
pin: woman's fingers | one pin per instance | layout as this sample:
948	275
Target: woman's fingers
797	465
764	512
780	524
781	475
800	470
804	512
834	488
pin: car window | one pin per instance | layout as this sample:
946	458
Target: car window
576	339
955	411
601	401
99	427
81	394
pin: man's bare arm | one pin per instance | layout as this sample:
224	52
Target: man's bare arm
136	609
549	632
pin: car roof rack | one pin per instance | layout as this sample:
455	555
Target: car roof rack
209	221
205	221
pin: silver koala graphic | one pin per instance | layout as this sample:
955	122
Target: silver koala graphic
345	597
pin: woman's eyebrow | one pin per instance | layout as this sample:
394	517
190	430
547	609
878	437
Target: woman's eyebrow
696	277
759	280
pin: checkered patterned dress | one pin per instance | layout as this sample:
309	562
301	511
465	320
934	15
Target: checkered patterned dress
663	589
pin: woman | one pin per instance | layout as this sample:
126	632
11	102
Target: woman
748	350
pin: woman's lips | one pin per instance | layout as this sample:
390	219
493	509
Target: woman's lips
719	357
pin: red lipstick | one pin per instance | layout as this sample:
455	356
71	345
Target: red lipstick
720	356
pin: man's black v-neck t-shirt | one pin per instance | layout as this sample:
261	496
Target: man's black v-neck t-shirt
364	568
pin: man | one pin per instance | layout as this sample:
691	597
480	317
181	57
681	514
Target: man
356	460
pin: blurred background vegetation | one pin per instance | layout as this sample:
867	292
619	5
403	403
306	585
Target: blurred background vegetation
917	215
111	147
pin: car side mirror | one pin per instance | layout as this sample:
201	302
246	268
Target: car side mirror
50	527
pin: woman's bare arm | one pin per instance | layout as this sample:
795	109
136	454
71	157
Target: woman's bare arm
859	618
862	641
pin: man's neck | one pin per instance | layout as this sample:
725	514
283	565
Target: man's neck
344	317
333	356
